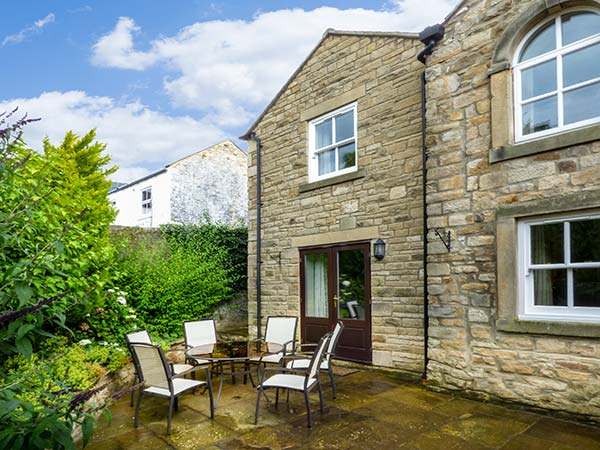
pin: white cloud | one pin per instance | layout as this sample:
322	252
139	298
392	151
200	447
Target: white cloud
115	49
28	31
232	68
139	139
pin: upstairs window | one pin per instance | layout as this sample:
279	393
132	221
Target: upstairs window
557	76
147	201
560	268
332	144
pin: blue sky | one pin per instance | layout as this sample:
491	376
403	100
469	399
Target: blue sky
160	80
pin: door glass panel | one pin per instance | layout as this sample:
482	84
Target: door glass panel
579	25
316	265
543	41
582	103
550	287
582	65
538	80
540	115
547	244
351	284
586	287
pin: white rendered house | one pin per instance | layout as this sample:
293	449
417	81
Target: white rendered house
207	185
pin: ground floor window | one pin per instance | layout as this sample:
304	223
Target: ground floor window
559	270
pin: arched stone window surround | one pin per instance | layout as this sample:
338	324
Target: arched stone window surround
501	84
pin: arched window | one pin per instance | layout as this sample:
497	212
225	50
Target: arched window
557	75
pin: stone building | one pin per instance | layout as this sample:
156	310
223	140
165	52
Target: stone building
512	146
207	185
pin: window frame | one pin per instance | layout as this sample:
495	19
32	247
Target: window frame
527	310
557	54
146	210
313	162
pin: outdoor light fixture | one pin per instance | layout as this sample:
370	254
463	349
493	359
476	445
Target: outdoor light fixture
379	249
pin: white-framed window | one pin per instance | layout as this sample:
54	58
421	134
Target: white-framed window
557	75
147	201
332	144
559	268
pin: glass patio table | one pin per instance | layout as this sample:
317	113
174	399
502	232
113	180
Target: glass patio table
230	358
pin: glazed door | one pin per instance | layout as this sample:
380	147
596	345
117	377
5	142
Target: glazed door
335	284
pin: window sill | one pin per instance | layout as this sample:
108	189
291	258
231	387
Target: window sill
360	173
554	142
551	328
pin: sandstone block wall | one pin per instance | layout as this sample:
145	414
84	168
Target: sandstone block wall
385	202
466	193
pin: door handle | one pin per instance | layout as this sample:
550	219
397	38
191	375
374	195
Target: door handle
335	300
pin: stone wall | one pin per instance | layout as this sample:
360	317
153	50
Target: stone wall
468	195
210	184
382	200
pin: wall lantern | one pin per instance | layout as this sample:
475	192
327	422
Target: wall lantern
379	249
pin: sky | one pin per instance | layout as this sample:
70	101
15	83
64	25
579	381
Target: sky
160	80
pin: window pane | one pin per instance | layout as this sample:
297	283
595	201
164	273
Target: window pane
347	156
582	103
579	25
316	285
323	132
351	284
544	40
582	65
586	287
344	126
540	115
550	287
538	80
585	241
547	244
326	161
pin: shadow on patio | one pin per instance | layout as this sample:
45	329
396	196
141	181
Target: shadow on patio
373	410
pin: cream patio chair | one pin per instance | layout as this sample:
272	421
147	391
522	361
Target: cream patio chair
200	339
279	341
302	383
326	365
143	337
158	380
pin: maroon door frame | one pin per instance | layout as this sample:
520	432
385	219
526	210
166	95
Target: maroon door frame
355	341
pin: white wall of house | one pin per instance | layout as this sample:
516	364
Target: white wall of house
128	202
207	185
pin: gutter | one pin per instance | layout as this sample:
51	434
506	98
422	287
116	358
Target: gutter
256	139
430	36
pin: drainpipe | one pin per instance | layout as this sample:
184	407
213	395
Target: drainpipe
430	36
256	139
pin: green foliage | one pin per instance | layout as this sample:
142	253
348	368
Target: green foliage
54	256
54	218
179	273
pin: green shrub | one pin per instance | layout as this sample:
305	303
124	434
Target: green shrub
171	277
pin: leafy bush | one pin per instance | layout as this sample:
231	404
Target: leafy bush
54	256
179	273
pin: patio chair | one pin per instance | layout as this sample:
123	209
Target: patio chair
200	339
326	365
158	380
302	383
143	337
279	341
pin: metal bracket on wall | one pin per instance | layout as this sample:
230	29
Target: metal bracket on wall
446	240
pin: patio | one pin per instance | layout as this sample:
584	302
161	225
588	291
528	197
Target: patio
373	410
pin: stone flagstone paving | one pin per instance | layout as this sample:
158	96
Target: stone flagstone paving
372	411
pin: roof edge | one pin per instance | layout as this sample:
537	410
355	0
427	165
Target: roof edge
458	8
139	180
326	34
207	148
